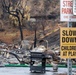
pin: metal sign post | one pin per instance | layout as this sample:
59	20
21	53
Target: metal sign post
68	13
69	62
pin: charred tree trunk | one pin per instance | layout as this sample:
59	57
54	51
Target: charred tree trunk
35	39
20	28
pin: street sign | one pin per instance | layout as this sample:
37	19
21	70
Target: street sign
74	7
66	11
68	42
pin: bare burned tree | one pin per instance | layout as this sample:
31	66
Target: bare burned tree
35	37
16	9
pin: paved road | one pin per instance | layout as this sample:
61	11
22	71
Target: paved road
26	71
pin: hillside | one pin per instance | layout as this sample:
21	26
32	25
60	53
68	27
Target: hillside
10	34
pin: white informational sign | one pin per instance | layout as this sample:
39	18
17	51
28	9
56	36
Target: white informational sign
66	11
74	7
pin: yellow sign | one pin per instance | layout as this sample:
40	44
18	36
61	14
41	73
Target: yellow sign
68	42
